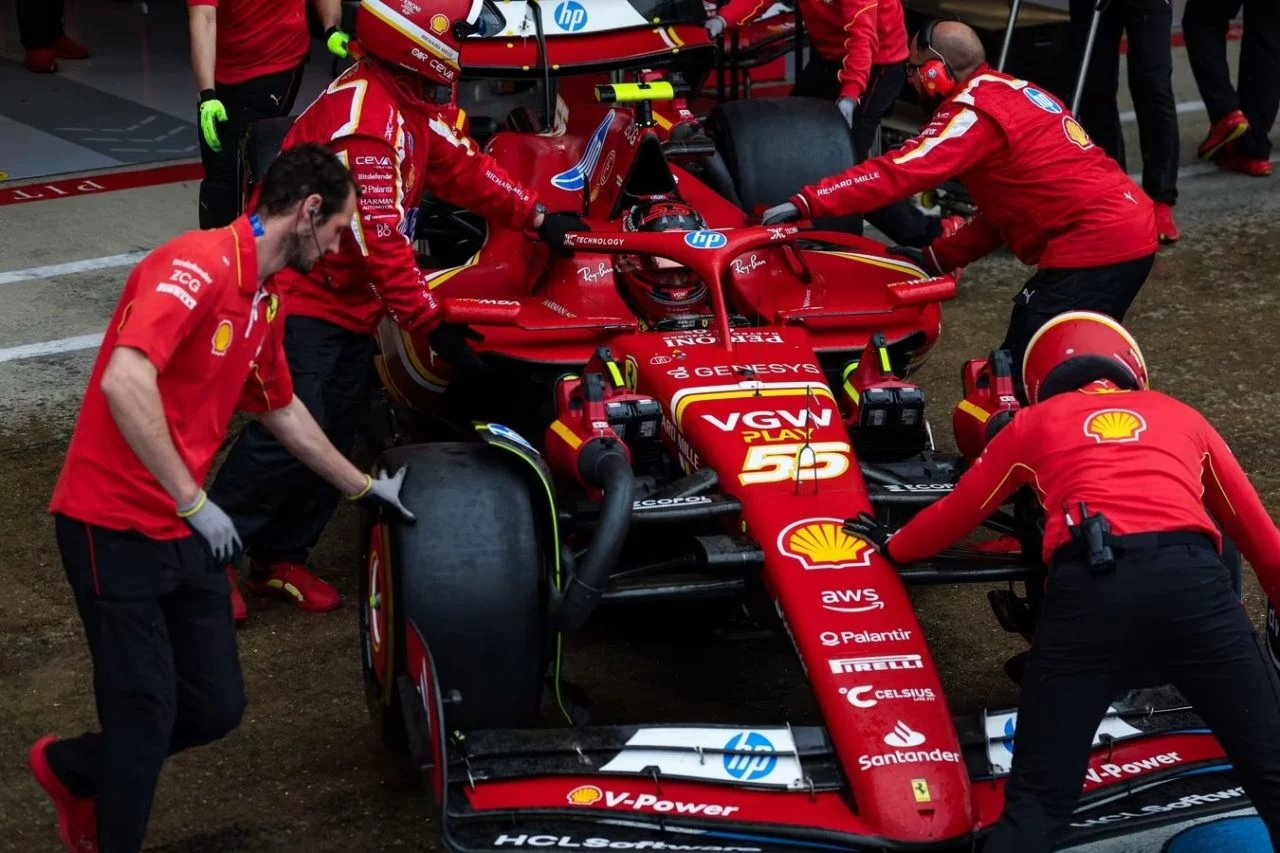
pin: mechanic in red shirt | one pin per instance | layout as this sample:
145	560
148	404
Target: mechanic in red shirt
389	118
247	57
1098	449
1039	182
195	337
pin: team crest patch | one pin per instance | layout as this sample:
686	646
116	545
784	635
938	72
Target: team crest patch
439	23
222	338
1114	425
1041	100
1076	133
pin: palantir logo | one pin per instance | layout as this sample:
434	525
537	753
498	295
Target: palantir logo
705	239
575	178
571	16
749	767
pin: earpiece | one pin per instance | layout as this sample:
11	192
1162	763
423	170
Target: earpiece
935	75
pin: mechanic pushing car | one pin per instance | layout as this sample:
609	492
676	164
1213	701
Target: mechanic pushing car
1039	182
382	118
194	337
1136	581
856	60
247	57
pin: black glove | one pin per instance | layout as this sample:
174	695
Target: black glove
449	340
555	225
923	258
866	526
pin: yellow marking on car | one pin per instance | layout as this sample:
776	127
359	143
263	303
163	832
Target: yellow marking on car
570	438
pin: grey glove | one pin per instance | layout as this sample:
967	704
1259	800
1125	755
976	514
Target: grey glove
715	26
385	490
785	212
923	258
207	518
847	106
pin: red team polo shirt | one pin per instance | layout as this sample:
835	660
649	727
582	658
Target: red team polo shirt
194	308
258	37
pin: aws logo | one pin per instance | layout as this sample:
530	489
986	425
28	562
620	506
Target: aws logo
1114	425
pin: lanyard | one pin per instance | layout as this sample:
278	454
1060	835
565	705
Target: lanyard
256	224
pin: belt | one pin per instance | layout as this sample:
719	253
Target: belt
1076	549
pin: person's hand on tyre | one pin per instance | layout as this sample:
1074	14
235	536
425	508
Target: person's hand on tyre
923	258
555	225
785	212
715	26
336	41
219	531
385	491
847	107
449	341
867	527
211	111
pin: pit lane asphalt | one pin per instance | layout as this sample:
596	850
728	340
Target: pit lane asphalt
304	771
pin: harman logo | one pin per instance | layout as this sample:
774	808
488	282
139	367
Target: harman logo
821	543
1114	425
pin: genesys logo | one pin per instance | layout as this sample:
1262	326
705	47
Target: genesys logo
594	795
880	663
904	740
851	600
570	842
846	638
867	696
1188	802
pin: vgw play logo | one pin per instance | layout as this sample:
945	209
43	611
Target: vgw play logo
571	16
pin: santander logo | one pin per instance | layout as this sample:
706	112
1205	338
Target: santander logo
903	736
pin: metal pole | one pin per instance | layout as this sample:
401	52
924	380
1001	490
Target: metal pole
1014	8
1088	52
799	43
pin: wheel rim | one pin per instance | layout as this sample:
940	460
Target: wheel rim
375	635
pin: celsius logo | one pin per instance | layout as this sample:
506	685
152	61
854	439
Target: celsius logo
749	767
902	737
571	16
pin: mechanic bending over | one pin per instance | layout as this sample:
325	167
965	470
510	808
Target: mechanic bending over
383	119
1039	182
855	59
194	337
1136	581
247	57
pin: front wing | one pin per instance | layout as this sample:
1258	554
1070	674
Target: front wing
1157	779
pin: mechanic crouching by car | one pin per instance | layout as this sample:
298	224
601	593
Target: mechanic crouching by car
1039	182
1136	581
382	119
194	337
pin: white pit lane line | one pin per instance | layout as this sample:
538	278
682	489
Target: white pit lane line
89	265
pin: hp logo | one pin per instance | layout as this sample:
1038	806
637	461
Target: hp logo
705	239
571	16
1009	728
749	768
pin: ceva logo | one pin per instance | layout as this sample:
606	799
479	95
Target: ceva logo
571	16
749	767
575	178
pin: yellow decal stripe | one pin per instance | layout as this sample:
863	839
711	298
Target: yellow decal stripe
975	411
560	429
884	263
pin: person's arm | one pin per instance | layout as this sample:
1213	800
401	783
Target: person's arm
329	12
298	431
459	173
202	22
997	474
1235	504
862	40
977	239
133	395
738	13
957	139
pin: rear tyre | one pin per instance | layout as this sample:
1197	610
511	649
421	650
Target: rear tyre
469	575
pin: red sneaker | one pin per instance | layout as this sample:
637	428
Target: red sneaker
65	48
1166	228
1250	166
77	816
1225	130
292	582
238	609
40	61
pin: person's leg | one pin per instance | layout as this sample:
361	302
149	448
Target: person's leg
1098	111
818	79
1150	27
1259	76
1204	27
118	579
39	23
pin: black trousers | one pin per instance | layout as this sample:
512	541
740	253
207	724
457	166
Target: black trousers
1172	608
1205	24
269	96
39	23
280	506
1148	24
902	222
166	671
1107	289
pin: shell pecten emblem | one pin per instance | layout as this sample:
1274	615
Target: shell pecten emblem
1114	425
585	795
821	543
1076	133
222	338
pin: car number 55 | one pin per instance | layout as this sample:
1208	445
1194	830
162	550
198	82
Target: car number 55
776	463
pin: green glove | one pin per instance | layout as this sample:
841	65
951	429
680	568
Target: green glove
336	40
211	110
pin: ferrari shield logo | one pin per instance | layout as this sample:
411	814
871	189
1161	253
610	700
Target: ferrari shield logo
1114	425
821	543
920	789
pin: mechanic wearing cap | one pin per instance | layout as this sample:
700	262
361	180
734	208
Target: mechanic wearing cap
1039	182
247	57
195	337
1136	581
856	55
386	118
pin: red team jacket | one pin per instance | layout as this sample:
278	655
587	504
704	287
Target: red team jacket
1146	461
258	37
1040	183
855	33
396	147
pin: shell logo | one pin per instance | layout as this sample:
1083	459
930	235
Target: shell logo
222	338
821	543
1076	133
1114	425
439	23
585	795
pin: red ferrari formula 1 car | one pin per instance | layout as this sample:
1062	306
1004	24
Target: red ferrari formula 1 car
689	406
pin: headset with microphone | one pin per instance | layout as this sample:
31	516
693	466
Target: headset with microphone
313	211
935	74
